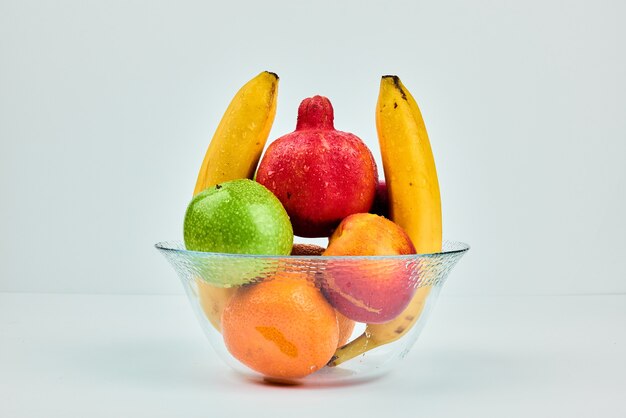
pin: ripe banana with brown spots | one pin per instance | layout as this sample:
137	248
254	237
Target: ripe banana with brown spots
414	201
234	153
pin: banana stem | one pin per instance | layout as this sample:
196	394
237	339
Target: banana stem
354	348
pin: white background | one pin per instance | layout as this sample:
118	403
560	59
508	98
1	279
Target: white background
106	110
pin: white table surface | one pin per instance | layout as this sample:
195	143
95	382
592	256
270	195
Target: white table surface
145	356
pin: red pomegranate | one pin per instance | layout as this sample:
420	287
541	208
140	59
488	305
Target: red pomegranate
320	175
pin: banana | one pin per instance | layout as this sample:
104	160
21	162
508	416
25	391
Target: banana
213	300
233	153
237	144
414	201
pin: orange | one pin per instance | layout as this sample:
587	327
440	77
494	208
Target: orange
283	328
346	325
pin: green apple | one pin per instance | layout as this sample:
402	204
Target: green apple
240	217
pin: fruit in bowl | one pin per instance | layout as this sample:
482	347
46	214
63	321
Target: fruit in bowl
320	174
237	216
282	327
240	217
301	313
357	293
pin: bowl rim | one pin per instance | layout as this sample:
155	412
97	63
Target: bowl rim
177	246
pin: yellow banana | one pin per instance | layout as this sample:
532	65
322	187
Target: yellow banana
238	142
213	300
414	201
233	153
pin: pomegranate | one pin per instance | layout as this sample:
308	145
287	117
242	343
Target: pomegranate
320	175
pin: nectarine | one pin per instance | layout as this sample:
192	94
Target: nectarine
368	290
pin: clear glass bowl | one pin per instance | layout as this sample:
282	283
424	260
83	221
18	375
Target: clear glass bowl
399	291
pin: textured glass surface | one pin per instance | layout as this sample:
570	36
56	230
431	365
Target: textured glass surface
367	289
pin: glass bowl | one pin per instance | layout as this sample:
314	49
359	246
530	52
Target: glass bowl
389	298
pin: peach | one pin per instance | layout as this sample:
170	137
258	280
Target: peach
320	174
365	290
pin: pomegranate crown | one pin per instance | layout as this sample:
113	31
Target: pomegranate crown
315	113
